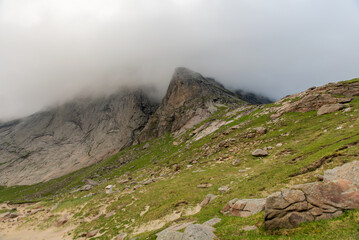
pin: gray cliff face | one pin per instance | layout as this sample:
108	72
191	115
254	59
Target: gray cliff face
53	143
190	99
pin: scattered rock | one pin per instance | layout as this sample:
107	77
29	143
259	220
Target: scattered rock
86	187
259	153
62	221
5	215
212	222
329	108
92	233
279	144
236	162
109	189
209	198
149	181
339	191
91	182
204	185
249	228
244	207
121	236
223	189
147	145
145	211
110	214
261	130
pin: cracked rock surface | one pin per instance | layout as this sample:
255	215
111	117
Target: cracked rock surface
315	201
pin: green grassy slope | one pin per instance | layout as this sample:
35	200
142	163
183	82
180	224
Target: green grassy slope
310	145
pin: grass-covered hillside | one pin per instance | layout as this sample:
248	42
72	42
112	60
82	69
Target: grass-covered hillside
216	152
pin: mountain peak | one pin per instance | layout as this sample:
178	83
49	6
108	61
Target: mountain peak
190	98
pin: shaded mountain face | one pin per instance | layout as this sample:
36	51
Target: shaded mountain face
53	143
252	98
50	144
189	100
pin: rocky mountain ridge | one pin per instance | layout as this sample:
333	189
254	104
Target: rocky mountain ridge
53	143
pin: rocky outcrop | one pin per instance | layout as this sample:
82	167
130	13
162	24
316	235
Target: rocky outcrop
244	207
190	99
339	191
52	143
314	98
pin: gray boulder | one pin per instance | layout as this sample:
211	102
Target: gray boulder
198	232
259	153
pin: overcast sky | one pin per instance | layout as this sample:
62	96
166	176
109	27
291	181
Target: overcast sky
52	51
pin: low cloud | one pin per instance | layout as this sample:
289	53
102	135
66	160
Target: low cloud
52	51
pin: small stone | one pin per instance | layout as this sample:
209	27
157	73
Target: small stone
109	189
223	189
204	185
92	233
279	144
261	130
249	228
147	145
110	214
86	187
61	222
236	162
91	182
209	198
121	236
259	153
212	221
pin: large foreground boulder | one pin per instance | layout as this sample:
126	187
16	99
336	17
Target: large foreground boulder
315	201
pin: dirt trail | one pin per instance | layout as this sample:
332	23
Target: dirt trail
28	234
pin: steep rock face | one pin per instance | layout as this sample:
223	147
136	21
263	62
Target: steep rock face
52	143
190	99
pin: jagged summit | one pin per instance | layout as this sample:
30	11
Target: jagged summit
190	99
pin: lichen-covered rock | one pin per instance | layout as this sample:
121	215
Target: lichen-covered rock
314	201
244	207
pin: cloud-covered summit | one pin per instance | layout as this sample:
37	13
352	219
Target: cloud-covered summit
52	51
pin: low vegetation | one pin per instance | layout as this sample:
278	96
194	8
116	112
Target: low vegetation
301	146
